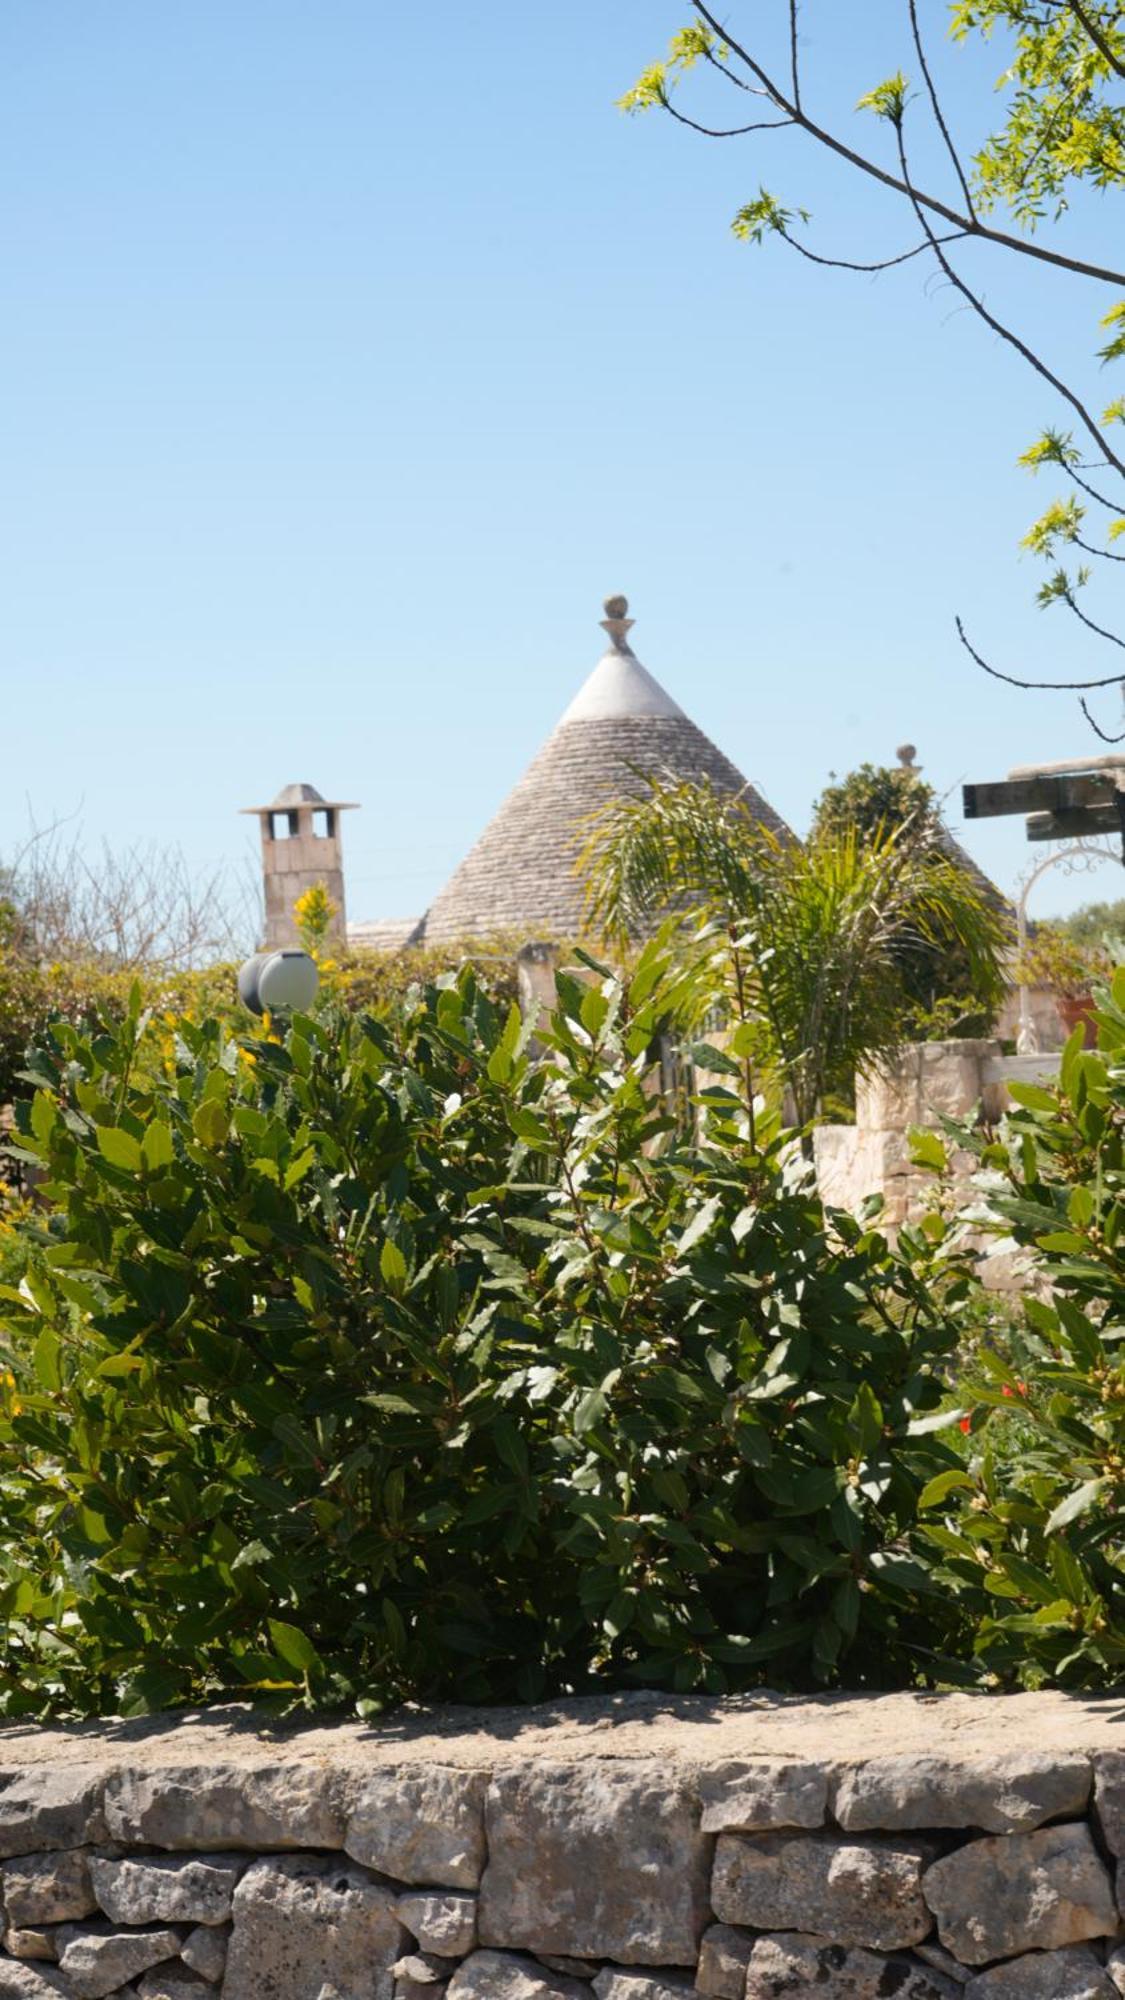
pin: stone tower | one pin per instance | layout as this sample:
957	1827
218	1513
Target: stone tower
301	846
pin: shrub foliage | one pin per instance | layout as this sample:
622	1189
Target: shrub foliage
411	1358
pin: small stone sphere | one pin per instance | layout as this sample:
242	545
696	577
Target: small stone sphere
616	607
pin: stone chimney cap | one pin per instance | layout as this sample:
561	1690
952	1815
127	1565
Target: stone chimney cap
291	797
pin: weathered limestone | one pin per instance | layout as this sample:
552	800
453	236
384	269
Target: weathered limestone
173	1982
1109	1799
302	1921
617	1983
757	1797
502	1975
724	1955
286	1805
35	1942
1023	1892
782	1968
1011	1795
427	1822
852	1890
156	1889
929	1848
205	1951
19	1981
445	1924
94	1959
421	1976
1072	1974
48	1888
59	1807
603	1860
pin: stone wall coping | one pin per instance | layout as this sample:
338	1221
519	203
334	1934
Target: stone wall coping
688	1732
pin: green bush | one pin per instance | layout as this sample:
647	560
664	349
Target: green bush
1027	1534
402	1358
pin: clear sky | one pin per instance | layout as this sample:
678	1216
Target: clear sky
351	353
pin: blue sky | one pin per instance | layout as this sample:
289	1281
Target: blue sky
352	353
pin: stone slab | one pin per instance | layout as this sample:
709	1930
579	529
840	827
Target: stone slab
1074	1974
599	1860
266	1803
792	1966
505	1975
1015	1794
855	1889
754	1797
166	1889
1021	1892
48	1888
421	1825
306	1921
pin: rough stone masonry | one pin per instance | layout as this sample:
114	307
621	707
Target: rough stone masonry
638	1847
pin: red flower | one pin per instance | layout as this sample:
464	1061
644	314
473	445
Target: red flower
1020	1386
966	1423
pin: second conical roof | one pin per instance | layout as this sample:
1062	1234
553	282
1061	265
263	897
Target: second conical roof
621	728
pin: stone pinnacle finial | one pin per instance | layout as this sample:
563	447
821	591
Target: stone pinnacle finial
618	623
906	754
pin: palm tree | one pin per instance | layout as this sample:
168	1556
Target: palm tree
813	944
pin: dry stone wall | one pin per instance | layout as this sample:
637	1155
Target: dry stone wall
942	1848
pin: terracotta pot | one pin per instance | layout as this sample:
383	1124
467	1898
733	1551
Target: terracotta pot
1076	1007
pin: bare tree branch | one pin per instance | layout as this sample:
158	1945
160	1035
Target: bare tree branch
1086	418
848	264
721	131
1095	726
935	106
1067	597
1013	680
970	225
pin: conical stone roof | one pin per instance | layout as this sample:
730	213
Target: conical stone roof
621	728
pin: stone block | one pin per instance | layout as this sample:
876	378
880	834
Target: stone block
48	1888
1109	1799
1021	1892
422	1823
173	1982
856	1891
1073	1974
306	1921
205	1951
1115	1969
163	1889
421	1976
94	1959
220	1806
506	1975
34	1941
20	1981
603	1859
442	1923
757	1797
724	1955
889	1100
794	1965
616	1982
50	1806
1012	1794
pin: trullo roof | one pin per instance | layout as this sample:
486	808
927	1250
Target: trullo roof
621	728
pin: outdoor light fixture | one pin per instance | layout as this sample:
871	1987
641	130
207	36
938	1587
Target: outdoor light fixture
278	982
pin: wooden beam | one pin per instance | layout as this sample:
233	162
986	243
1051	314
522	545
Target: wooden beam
1028	795
1074	824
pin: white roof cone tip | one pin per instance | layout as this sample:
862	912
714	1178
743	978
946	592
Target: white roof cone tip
619	685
